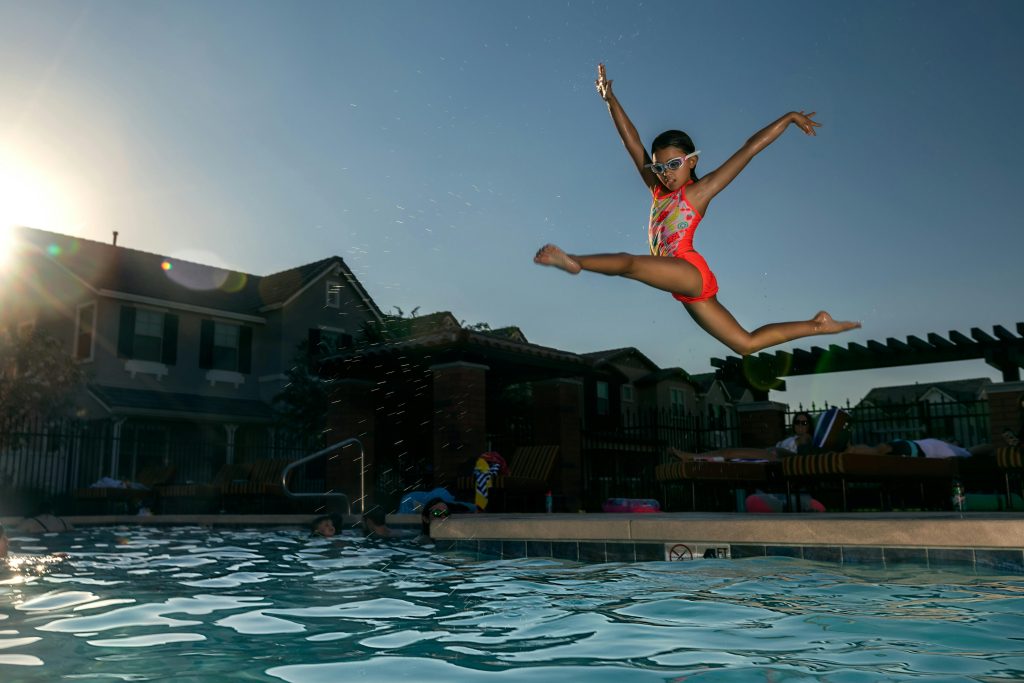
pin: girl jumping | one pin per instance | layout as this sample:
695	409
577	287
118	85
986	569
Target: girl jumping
680	202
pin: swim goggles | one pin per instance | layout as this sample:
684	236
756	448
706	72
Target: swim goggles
439	513
671	164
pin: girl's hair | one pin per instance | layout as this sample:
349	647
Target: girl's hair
810	420
677	139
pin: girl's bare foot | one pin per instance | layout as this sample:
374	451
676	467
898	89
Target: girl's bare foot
824	324
550	255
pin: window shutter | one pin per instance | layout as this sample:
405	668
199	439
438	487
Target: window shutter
126	333
314	341
245	349
169	355
206	345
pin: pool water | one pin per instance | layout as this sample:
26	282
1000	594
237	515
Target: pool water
190	604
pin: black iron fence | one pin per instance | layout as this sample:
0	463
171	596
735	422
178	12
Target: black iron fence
620	462
962	422
46	461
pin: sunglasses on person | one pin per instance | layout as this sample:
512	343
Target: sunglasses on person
671	164
439	514
802	423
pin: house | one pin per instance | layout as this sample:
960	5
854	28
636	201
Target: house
953	410
643	386
183	359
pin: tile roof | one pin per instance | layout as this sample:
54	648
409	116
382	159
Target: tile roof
122	401
131	271
960	390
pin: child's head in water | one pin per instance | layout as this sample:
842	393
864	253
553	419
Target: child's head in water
434	510
323	526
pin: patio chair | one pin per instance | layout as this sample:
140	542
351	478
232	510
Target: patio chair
893	476
1010	462
127	500
708	479
201	498
261	491
528	479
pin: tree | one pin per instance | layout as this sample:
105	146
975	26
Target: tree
302	404
38	377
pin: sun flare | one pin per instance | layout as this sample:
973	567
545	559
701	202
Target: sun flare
30	197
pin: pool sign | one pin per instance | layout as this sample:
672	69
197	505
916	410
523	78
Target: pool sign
684	552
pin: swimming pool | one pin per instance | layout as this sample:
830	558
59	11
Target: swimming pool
270	605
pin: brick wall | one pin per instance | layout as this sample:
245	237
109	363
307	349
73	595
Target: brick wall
460	419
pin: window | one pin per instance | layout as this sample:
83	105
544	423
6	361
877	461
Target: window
84	326
627	396
333	294
677	401
326	342
603	402
147	335
225	346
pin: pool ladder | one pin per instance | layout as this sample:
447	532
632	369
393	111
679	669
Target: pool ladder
329	494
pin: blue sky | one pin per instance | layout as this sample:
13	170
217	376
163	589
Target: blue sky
435	146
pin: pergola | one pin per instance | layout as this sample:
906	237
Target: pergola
1003	350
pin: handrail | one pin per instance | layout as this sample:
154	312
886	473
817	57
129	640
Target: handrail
330	449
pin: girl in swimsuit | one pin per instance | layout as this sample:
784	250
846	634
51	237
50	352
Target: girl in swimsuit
680	201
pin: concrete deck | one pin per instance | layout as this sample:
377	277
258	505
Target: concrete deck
903	530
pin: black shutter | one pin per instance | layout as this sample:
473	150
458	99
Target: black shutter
314	341
206	345
170	348
126	334
245	349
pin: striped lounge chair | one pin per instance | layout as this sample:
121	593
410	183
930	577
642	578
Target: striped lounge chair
893	475
202	498
261	492
528	479
1010	462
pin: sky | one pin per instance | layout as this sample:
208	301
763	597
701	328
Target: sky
436	145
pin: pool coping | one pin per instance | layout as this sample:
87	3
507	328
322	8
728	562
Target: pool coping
982	541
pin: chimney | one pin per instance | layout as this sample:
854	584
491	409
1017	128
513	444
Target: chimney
115	238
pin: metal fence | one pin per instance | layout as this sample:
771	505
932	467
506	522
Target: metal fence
620	462
962	422
48	460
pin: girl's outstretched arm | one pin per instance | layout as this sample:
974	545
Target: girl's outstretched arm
716	181
627	131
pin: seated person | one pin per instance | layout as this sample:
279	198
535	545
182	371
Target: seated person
803	428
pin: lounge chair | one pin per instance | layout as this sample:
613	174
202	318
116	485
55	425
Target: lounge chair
929	479
109	500
527	480
202	498
1010	462
261	491
708	480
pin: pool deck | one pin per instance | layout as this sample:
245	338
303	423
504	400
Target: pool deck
993	540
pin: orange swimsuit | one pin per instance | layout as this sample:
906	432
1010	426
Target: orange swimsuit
670	233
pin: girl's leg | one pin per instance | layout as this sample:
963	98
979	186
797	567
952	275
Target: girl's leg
717	321
661	272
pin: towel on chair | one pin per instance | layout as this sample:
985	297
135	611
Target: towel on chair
488	467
